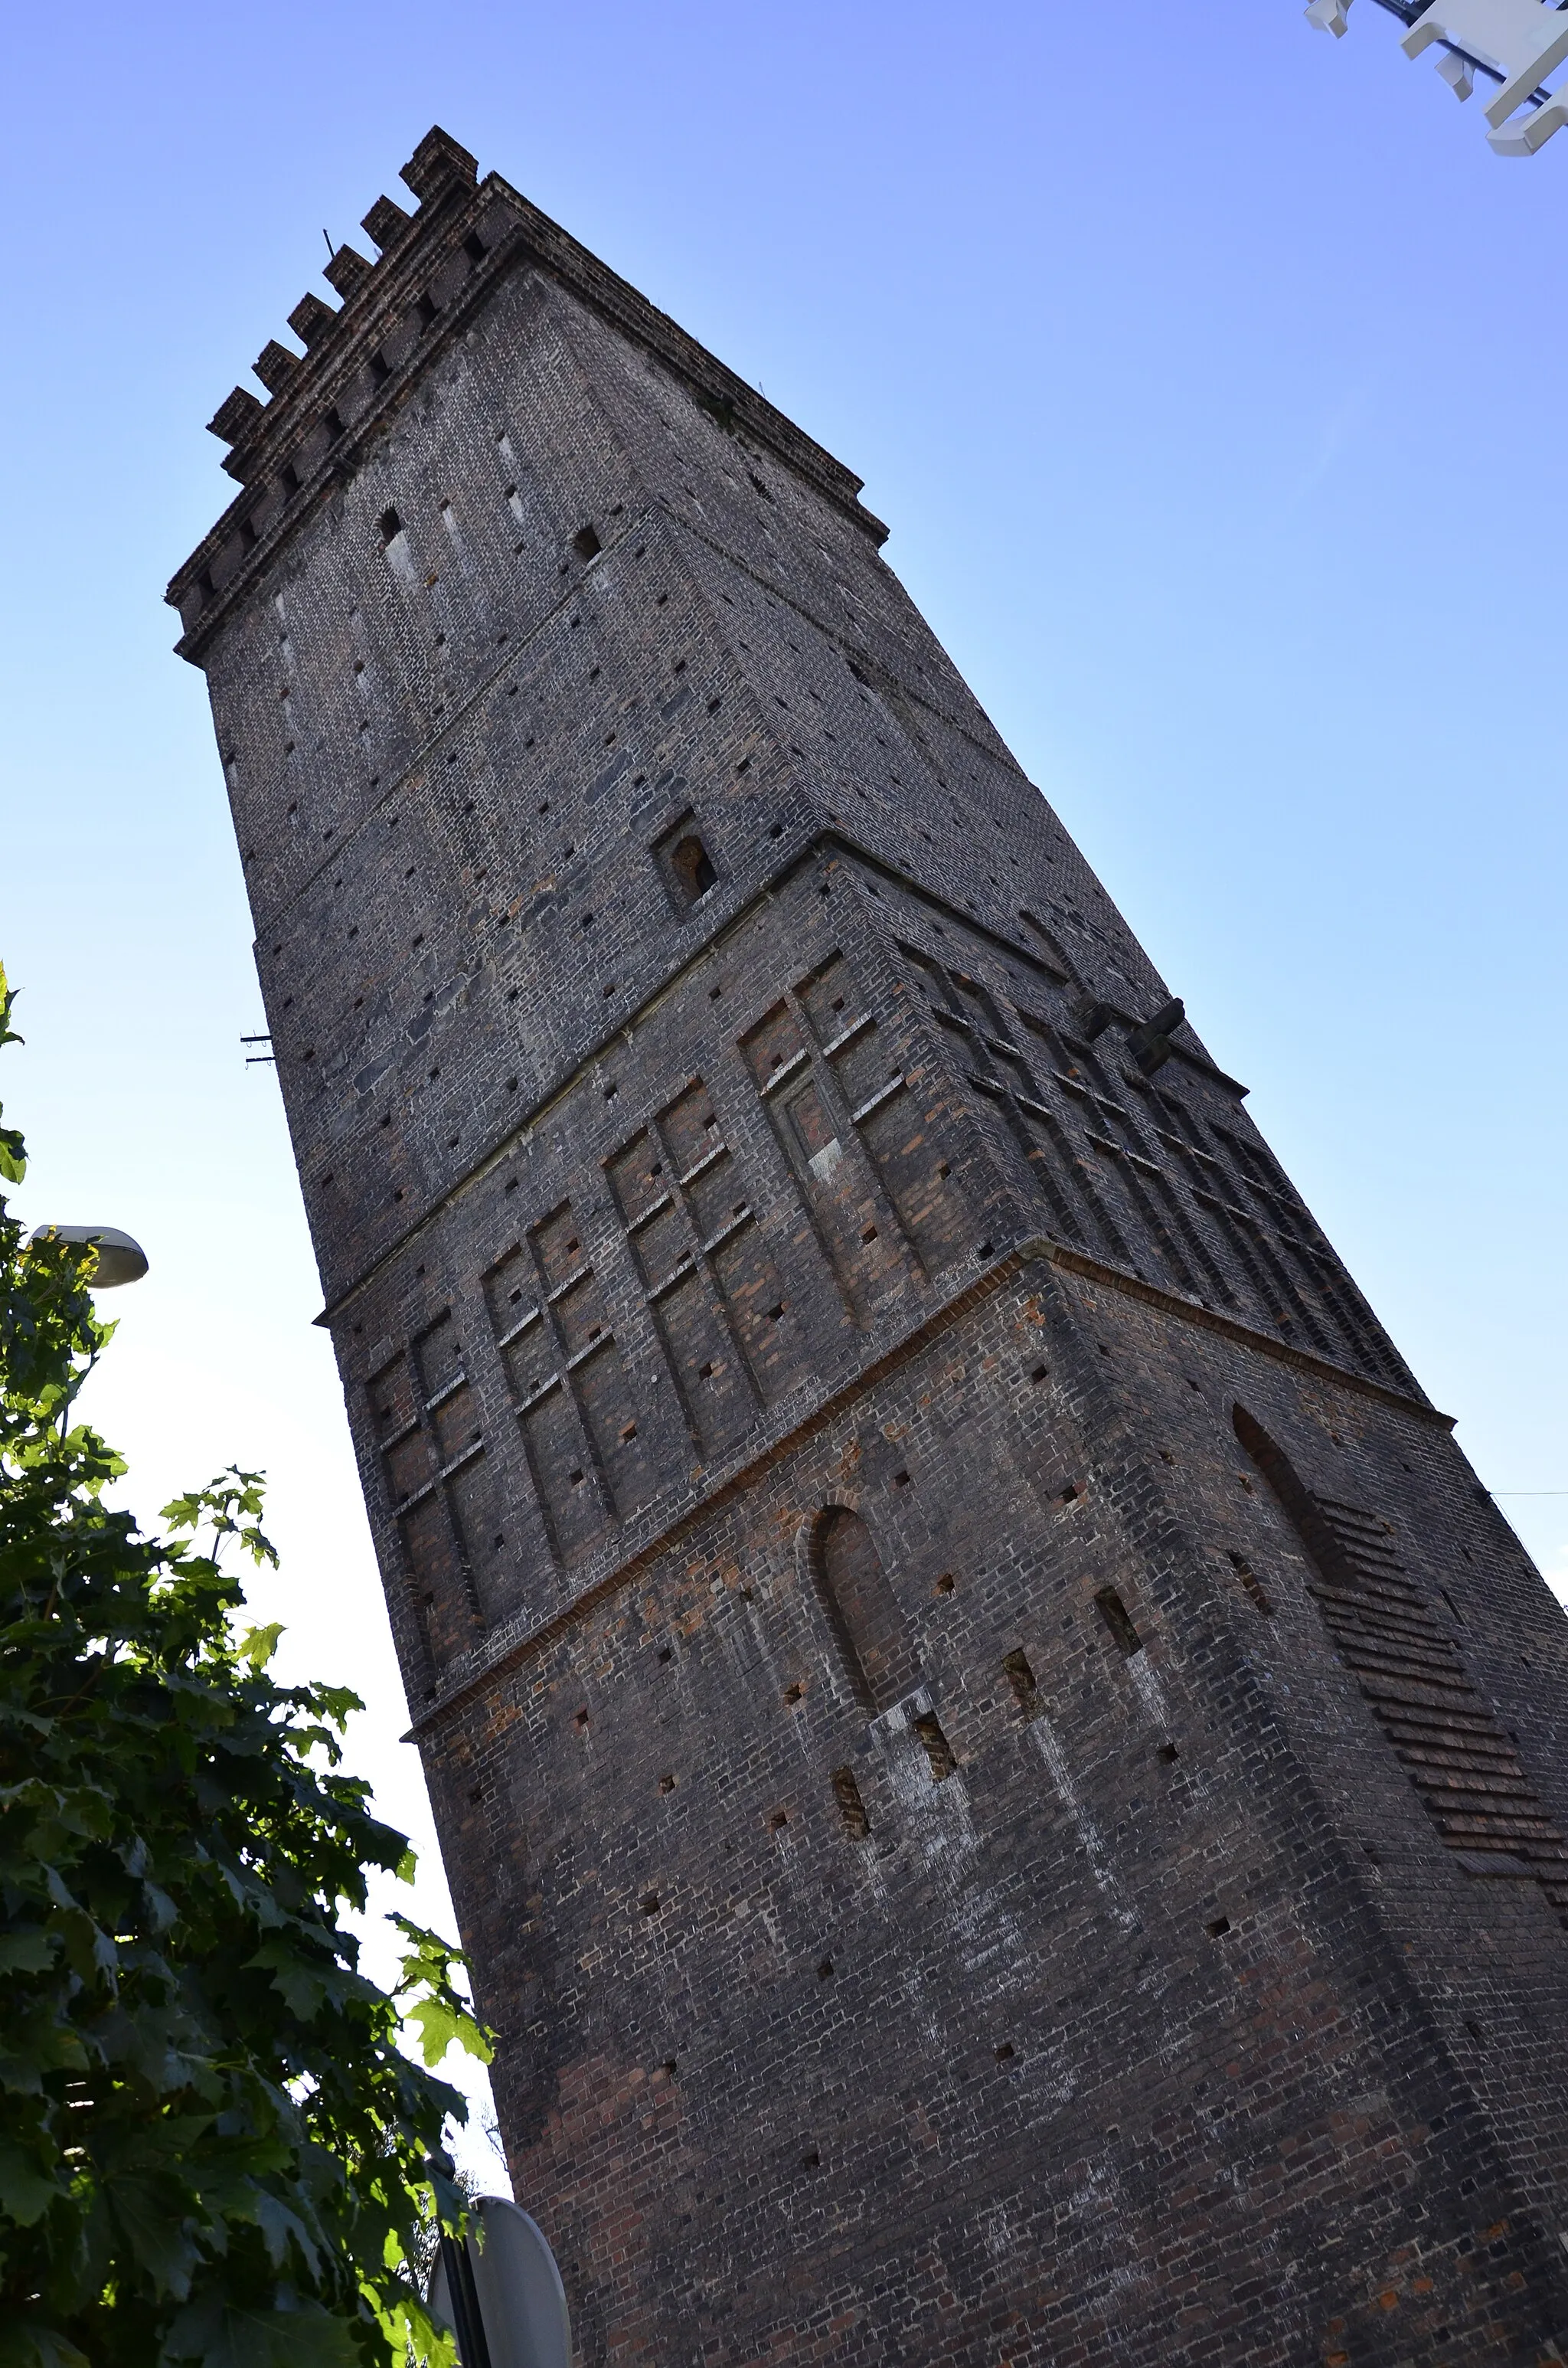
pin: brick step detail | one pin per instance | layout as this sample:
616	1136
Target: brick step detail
1461	1797
1465	1769
1443	1741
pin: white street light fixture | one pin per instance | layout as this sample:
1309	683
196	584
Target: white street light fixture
120	1260
1524	37
1512	44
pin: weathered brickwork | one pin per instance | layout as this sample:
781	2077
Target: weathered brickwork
1003	1781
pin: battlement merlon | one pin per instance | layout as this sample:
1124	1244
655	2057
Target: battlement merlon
434	267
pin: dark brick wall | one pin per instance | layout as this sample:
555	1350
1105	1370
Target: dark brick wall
977	1851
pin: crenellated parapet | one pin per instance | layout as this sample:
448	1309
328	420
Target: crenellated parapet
433	268
442	175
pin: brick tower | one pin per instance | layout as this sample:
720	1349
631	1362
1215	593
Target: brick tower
1003	1781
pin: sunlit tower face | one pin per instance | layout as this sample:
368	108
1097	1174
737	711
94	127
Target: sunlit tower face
997	1770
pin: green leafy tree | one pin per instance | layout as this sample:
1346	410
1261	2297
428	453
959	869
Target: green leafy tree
212	2148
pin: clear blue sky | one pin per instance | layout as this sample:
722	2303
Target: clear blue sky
1209	374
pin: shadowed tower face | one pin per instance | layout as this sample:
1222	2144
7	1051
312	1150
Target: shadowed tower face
1003	1781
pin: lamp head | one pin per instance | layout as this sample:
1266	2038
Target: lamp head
120	1260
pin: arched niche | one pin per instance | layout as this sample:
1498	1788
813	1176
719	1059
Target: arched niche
1295	1499
861	1609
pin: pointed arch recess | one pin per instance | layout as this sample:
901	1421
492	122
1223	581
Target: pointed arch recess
861	1609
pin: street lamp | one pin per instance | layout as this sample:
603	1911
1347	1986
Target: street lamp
1511	43
120	1260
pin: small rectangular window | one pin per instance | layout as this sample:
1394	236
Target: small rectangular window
1021	1677
938	1750
1118	1620
851	1806
1253	1584
687	869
